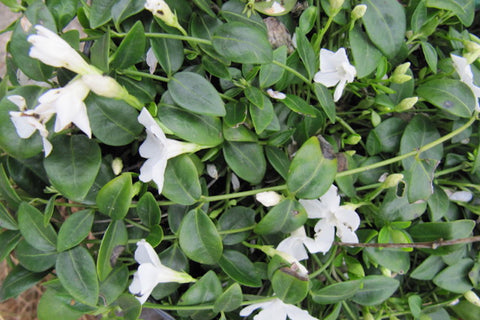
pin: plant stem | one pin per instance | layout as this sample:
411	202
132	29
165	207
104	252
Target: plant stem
424	245
138	225
292	71
167	36
145	75
241	194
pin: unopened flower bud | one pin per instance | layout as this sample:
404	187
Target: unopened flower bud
268	198
402	69
358	11
212	171
400	78
117	166
161	10
461	196
368	316
406	104
392	180
472	298
352	139
104	86
336	4
235	182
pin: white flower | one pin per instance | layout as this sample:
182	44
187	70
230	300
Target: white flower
462	196
268	198
105	86
276	8
26	122
464	70
152	272
276	94
160	9
295	244
49	48
332	216
157	149
276	309
151	60
335	70
67	103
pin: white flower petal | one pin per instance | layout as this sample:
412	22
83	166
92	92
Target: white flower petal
295	313
146	254
328	79
348	217
151	60
315	209
268	198
294	247
463	196
25	125
250	308
19	101
324	236
346	234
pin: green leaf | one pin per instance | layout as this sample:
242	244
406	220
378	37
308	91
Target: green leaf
449	95
289	286
233	11
30	223
375	290
229	300
242	43
197	128
174	258
114	285
365	54
463	9
278	159
306	53
181	183
33	259
76	271
298	105
246	159
130	307
312	170
336	292
113	121
238	267
123	9
325	100
148	210
431	55
438	204
419	132
63	11
199	239
193	92
236	218
397	261
262	118
114	240
17	281
428	269
131	49
73	165
395	207
9	240
455	277
9	195
100	12
55	305
285	217
415	305
169	52
115	197
270	73
386	136
419	179
204	291
385	24
255	96
99	53
75	229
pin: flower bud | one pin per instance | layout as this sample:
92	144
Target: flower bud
352	139
461	196
212	171
406	104
392	180
358	11
400	78
336	4
117	166
268	198
472	298
402	69
104	86
161	10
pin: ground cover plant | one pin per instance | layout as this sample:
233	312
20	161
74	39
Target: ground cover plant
243	159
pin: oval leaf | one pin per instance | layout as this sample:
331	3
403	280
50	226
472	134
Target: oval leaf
75	229
455	277
285	217
33	259
148	210
336	292
181	183
238	267
376	289
30	223
246	159
115	197
131	49
113	241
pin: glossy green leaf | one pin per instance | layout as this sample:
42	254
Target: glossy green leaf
75	229
325	100
255	96
233	11
463	9
450	95
30	223
438	204
230	299
9	240
215	67
246	159
428	269
73	165
169	52
385	24
419	179
336	292
270	73
297	104
131	49
397	207
238	267
76	271
312	170
205	290
10	196
54	305
288	286
375	290
455	277
148	210
101	12
285	217
397	261
113	243
114	285
306	53
99	53
262	118
430	55
242	43
130	307
236	218
115	197
236	113
197	128
113	121
17	281
199	239
33	259
365	55
123	9
181	181
193	92
386	136
278	159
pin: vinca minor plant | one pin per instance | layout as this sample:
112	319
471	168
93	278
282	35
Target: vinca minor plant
242	159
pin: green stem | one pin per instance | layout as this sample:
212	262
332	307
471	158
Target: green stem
168	36
292	71
138	225
200	307
318	41
410	154
241	194
325	265
145	75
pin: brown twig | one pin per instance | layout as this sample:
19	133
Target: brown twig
425	245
